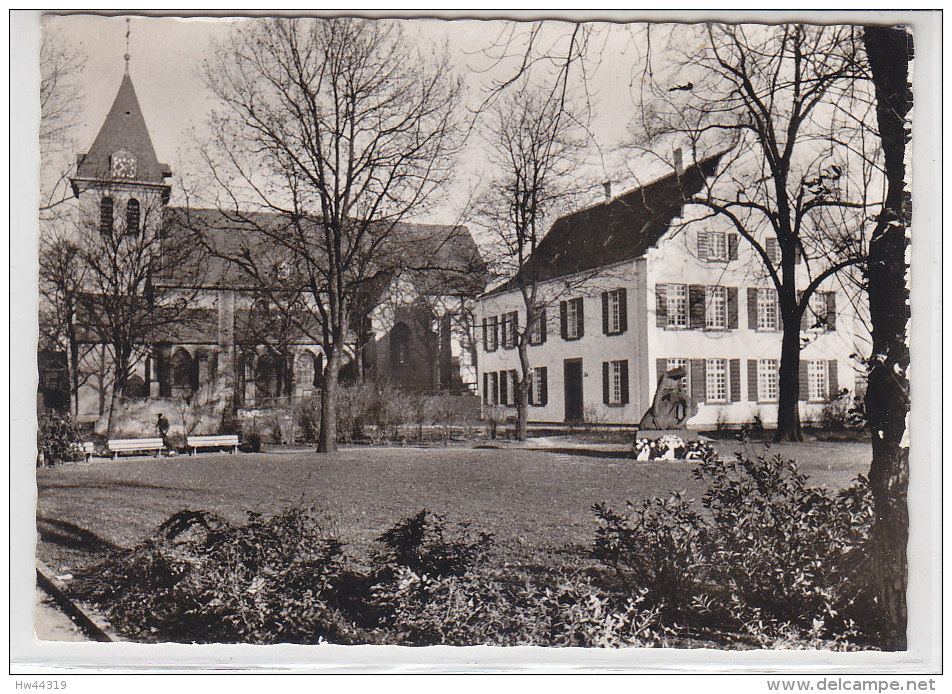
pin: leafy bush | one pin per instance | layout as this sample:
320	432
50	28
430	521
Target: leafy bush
58	439
843	412
200	579
769	551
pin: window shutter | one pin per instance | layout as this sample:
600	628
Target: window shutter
661	367
515	328
735	379
605	375
486	393
696	308
703	248
831	310
581	317
503	387
732	308
832	382
661	306
563	309
804	381
751	308
542	373
732	241
698	380
752	380
541	314
623	309
485	333
605	326
514	380
624	382
494	377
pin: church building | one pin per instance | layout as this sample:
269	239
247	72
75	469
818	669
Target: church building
229	342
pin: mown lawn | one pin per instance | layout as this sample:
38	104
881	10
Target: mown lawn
537	503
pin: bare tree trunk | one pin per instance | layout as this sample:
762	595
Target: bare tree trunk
788	405
327	440
522	393
887	394
118	381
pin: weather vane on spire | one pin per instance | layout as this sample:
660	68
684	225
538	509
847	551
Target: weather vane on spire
127	56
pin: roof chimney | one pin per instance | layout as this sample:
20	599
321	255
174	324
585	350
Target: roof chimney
608	190
678	161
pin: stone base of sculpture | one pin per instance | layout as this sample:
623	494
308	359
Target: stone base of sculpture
655	434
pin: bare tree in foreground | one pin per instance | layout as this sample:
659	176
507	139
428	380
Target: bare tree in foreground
534	147
769	95
342	128
889	51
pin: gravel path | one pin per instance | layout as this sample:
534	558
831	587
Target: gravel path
49	624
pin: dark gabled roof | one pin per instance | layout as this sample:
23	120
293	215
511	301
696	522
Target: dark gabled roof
438	259
124	128
619	229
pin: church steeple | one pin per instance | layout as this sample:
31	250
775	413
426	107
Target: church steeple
122	151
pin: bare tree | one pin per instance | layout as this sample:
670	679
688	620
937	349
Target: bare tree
341	128
62	284
889	51
534	145
60	99
769	95
122	306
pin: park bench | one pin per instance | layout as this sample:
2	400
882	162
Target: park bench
222	441
117	446
89	449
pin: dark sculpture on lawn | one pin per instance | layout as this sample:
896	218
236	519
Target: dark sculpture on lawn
672	406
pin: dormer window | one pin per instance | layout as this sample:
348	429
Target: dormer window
123	164
105	215
132	217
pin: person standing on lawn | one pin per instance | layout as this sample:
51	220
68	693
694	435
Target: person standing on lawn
163	424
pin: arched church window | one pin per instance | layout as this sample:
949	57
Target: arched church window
105	215
400	345
132	217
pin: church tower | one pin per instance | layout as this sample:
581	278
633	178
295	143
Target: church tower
120	184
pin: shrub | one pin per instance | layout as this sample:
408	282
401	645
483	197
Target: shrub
200	579
843	412
251	442
770	554
309	420
58	439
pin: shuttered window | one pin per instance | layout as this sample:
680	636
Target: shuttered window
677	305
539	392
615	382
716	380
614	312
767	309
767	380
537	329
716	300
817	380
492	334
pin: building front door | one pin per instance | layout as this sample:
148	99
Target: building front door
573	390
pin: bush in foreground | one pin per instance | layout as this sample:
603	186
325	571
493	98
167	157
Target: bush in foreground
770	556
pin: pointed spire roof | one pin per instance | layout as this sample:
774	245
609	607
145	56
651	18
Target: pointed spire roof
124	128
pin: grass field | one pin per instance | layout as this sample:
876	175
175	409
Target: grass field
537	503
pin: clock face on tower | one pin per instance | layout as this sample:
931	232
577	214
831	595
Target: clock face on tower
123	165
